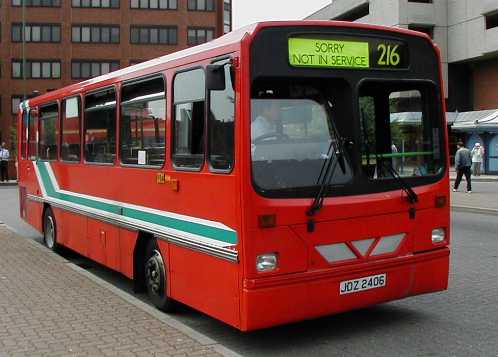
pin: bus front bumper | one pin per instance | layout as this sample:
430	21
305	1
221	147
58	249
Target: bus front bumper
277	300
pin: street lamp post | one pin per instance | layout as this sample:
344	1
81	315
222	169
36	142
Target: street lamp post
23	31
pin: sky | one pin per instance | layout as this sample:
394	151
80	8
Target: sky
249	11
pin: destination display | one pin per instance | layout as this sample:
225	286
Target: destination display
348	53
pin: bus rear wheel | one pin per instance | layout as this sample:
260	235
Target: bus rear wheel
155	277
49	230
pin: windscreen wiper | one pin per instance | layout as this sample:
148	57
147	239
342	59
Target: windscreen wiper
412	196
326	174
327	171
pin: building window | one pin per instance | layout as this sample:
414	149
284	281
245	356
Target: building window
144	35
491	20
221	125
95	34
82	69
70	149
198	35
201	5
113	4
428	30
35	69
37	3
355	13
15	102
188	124
36	33
47	146
154	4
100	126
143	123
227	16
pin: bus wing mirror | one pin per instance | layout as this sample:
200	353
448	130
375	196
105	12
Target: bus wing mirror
215	77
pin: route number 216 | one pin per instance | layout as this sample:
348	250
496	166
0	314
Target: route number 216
388	55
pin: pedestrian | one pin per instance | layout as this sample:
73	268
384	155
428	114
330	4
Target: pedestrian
477	158
463	161
4	162
395	159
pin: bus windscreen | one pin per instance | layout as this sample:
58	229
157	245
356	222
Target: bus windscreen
348	52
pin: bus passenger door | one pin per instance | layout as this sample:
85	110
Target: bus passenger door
28	181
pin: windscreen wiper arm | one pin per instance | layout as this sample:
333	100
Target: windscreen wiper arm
412	196
326	174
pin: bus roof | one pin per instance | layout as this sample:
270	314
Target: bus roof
231	38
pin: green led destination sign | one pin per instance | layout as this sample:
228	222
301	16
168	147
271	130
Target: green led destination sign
338	53
328	53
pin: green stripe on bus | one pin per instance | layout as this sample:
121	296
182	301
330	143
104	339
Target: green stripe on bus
51	192
215	233
401	154
185	226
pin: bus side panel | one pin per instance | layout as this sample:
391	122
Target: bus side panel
103	243
34	211
206	283
74	231
127	242
28	183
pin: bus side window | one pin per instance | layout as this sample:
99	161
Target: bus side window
32	130
188	123
100	126
71	138
48	136
221	125
143	123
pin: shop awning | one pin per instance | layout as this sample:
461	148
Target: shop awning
477	121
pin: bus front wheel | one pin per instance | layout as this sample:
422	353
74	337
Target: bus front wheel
155	277
49	230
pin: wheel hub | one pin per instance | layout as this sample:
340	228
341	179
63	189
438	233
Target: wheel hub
154	271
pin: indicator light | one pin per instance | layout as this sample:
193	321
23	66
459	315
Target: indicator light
440	201
267	220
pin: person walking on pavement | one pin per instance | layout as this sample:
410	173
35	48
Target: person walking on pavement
477	158
463	161
4	162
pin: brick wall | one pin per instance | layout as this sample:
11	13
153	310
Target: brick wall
485	84
124	52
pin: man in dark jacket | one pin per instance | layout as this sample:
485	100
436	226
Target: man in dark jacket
463	162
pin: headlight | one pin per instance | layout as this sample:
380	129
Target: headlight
266	262
438	235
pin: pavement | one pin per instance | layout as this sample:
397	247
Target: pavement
8	183
51	307
481	200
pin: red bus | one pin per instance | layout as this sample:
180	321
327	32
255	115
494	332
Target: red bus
282	172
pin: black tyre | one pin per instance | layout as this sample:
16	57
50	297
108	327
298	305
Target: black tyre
49	230
155	277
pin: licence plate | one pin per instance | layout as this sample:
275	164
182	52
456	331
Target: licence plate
366	283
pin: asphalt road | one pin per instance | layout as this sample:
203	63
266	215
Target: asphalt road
462	321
